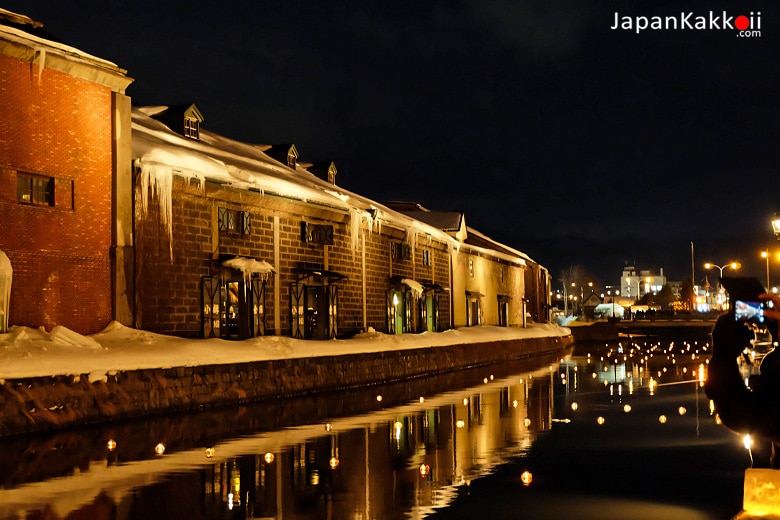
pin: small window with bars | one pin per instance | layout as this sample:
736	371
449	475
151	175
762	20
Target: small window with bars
35	189
233	221
191	128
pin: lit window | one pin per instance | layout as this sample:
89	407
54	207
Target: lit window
35	189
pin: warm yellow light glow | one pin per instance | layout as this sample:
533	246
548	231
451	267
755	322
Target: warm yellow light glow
159	449
526	477
600	420
334	463
379	398
514	403
466	402
425	470
268	457
485	380
574	406
460	424
111	445
209	452
662	419
682	410
761	498
627	408
747	441
527	422
422	399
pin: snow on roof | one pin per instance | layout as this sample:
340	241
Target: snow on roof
32	37
160	153
483	242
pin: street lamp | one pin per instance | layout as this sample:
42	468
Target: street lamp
709	265
776	225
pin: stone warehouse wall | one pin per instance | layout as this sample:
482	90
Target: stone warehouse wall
46	403
58	127
168	270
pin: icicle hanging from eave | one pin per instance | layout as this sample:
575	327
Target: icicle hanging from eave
355	218
158	178
41	55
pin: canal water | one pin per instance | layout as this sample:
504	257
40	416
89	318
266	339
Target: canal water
611	430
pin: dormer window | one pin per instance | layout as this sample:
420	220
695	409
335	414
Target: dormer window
292	156
192	128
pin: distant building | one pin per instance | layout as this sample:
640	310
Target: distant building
635	284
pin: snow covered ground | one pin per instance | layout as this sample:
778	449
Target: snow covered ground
29	352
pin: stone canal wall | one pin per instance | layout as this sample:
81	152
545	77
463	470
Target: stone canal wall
46	403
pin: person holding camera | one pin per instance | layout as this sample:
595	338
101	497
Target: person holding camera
753	409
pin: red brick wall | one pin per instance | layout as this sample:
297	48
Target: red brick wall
56	126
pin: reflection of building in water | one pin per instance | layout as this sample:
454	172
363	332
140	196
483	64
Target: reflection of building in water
394	462
421	457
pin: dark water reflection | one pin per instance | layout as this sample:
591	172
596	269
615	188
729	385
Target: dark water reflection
584	433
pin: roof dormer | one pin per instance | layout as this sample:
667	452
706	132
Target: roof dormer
285	154
326	171
182	119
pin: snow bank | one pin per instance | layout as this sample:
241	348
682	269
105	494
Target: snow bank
28	352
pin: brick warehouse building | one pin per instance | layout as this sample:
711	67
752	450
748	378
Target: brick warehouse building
232	242
173	229
235	240
61	111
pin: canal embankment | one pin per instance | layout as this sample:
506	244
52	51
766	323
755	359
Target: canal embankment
610	330
60	379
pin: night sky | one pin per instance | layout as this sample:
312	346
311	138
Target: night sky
572	142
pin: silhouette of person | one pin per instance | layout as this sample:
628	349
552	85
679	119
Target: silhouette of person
753	409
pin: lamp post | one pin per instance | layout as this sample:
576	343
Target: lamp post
709	265
765	255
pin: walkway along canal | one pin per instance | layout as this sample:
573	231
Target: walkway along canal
44	402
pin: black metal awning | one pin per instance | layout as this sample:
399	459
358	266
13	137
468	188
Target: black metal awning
322	274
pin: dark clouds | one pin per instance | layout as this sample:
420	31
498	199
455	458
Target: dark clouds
569	141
